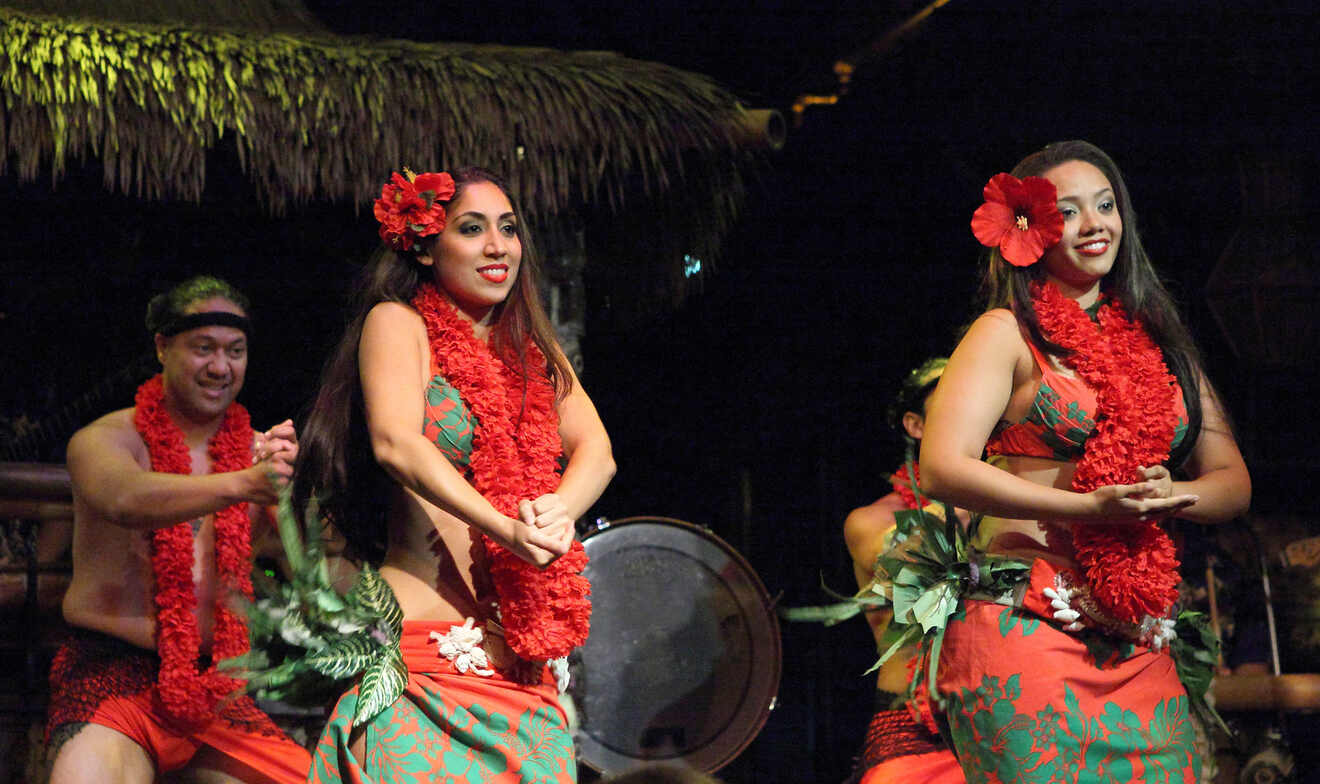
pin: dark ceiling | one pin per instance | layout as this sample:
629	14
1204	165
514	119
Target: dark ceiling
1123	60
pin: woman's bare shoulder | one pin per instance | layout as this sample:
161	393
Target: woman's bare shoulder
997	327
390	313
998	319
994	341
392	321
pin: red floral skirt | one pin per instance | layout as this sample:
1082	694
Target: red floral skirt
1029	702
450	726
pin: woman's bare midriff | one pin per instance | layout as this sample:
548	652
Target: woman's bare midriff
435	563
1027	539
436	566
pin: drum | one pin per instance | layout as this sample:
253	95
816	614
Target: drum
682	665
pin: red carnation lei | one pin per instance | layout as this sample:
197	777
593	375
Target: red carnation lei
190	696
1131	566
516	447
902	483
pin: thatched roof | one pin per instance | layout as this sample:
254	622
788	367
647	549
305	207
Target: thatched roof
253	16
314	116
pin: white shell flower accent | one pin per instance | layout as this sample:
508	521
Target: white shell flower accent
1060	597
559	668
462	646
1157	632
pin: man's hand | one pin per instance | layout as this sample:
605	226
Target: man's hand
273	455
280	439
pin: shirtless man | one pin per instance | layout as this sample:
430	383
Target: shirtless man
897	748
134	692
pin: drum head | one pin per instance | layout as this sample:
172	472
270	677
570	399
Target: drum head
682	664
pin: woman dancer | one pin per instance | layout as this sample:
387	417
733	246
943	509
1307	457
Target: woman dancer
902	743
435	447
1086	390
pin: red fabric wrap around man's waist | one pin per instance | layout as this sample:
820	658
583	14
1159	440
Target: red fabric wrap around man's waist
102	680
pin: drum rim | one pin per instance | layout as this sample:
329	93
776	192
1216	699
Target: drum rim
775	635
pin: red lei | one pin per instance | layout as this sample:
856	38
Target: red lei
1131	567
902	483
516	447
190	696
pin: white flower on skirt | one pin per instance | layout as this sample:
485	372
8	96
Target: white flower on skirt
1157	632
559	668
1060	597
462	646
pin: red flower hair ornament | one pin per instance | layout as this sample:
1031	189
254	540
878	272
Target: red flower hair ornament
410	208
1020	217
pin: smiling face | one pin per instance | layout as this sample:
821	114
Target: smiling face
204	368
477	256
1092	228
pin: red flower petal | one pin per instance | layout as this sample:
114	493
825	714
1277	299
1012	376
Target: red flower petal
190	696
1022	248
992	221
440	184
1001	188
1043	209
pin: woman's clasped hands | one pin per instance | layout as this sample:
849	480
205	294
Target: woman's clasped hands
545	530
1150	499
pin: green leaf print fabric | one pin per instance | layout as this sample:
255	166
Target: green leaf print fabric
450	727
1027	702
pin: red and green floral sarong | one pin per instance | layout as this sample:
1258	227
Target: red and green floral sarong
451	727
1030	702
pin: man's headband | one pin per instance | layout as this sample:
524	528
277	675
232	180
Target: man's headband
207	318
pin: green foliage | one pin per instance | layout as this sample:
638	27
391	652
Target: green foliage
923	580
317	117
345	657
382	684
931	575
1195	652
373	594
827	614
308	641
846	607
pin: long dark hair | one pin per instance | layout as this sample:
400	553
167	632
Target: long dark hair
1132	281
335	462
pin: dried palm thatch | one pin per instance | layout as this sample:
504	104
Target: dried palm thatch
263	16
314	116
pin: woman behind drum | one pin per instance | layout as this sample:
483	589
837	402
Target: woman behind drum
1075	485
435	443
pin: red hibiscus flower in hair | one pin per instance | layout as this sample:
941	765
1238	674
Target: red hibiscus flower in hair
410	208
1020	217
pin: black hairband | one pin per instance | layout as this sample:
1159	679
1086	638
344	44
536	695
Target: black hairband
207	318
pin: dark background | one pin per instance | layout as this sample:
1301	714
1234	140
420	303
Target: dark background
851	263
